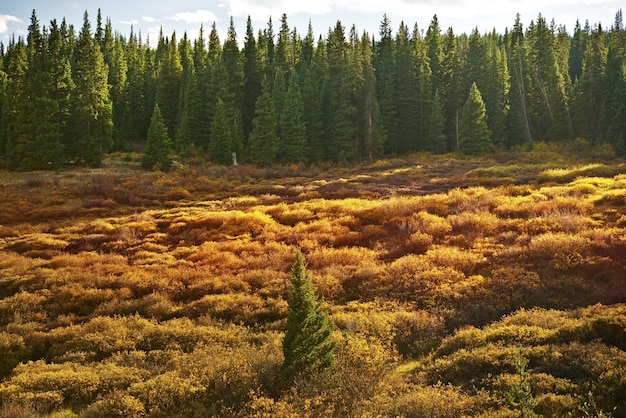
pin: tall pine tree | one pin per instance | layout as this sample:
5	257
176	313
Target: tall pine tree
91	104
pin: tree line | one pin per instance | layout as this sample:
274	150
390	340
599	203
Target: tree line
68	97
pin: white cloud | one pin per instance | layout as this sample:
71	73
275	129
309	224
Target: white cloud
148	19
199	16
458	10
6	20
129	22
262	9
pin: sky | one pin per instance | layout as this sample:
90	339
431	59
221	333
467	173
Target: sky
148	17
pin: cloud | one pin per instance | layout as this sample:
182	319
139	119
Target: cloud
129	22
199	16
6	20
262	9
148	19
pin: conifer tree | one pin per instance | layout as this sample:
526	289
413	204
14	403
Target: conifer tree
450	89
44	129
169	84
226	134
518	119
252	79
385	84
435	140
158	149
590	98
16	109
118	80
263	141
91	104
342	116
135	123
234	68
406	93
308	344
434	48
475	137
371	130
547	98
4	102
202	74
312	79
293	131
578	45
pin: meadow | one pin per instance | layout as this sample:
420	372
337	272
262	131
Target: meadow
126	293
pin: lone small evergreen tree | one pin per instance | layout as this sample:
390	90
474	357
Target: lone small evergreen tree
158	148
521	397
475	137
308	344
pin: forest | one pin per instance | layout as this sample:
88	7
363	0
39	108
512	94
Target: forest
69	96
449	211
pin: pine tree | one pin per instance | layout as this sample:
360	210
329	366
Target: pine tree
42	143
520	396
577	52
308	344
91	104
450	90
4	103
118	80
169	83
475	137
342	116
158	149
548	100
226	134
293	131
371	130
518	121
590	98
263	141
435	51
406	93
385	85
135	123
312	78
17	111
252	79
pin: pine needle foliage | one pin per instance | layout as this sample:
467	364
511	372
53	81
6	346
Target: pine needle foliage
157	154
308	345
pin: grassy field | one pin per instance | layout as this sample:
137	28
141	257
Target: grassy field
130	293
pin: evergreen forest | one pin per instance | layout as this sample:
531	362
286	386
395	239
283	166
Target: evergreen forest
70	95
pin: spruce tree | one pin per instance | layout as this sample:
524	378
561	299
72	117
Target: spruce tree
590	98
226	134
17	111
475	137
293	130
385	84
91	103
371	130
342	116
308	344
158	149
312	79
169	83
252	79
263	141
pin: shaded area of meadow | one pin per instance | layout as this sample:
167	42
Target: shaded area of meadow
145	294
